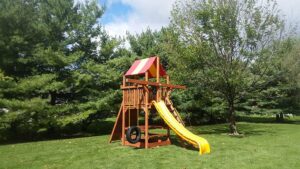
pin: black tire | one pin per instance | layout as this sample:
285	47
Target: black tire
133	130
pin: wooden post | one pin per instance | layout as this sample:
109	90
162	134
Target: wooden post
168	132
157	80
135	93
134	97
168	79
123	113
167	91
146	113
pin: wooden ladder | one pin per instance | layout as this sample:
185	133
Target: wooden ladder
174	112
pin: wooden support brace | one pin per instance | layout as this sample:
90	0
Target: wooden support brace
155	84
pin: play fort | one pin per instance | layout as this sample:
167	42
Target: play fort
146	90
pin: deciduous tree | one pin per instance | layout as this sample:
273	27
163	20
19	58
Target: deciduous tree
224	41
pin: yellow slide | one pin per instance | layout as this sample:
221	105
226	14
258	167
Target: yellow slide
180	130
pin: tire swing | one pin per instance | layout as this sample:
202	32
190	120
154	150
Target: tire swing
133	133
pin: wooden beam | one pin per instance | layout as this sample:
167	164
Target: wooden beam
123	113
157	79
123	125
146	113
155	84
168	79
131	87
114	134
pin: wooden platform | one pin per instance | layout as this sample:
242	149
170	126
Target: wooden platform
151	143
142	127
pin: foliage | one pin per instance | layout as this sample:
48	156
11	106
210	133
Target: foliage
153	43
226	45
58	66
280	92
60	71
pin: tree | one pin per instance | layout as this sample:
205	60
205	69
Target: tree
223	42
55	64
150	43
280	94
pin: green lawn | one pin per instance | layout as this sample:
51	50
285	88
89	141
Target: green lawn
264	145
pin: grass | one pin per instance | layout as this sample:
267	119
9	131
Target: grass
263	145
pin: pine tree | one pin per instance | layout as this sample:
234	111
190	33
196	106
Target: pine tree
54	62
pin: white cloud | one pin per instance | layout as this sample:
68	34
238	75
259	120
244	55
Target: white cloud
156	13
291	11
153	14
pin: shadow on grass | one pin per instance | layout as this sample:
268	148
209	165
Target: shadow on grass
104	127
96	129
177	141
266	119
244	130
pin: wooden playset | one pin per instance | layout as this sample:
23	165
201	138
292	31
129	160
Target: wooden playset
144	85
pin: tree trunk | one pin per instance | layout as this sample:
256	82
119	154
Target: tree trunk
52	98
231	119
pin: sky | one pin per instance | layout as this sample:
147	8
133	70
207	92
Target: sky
135	16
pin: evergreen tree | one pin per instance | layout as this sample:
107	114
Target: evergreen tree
55	64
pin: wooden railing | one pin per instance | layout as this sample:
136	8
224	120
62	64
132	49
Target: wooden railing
135	91
134	96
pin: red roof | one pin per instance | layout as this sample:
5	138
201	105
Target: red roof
140	67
